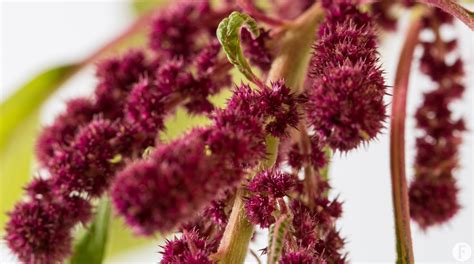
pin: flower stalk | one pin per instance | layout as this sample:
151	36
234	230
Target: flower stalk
455	9
397	145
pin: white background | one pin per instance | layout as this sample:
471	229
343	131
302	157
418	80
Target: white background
39	34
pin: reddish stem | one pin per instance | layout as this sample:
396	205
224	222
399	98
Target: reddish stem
249	8
310	175
453	8
138	25
397	146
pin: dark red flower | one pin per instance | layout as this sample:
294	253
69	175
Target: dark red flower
39	232
87	166
345	103
55	137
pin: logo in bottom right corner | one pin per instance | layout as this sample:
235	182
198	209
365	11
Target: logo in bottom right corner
462	252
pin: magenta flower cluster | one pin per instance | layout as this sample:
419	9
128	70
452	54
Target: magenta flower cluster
345	103
434	191
203	164
92	140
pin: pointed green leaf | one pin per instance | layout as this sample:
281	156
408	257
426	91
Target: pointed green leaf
91	247
228	35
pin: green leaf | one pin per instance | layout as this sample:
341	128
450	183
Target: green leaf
276	235
18	129
91	247
16	157
29	98
143	6
228	35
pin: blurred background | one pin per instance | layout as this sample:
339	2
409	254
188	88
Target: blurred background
36	35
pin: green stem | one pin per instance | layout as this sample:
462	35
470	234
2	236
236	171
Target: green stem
397	146
291	65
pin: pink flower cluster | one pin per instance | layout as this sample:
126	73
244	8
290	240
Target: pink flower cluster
203	164
95	137
345	103
434	191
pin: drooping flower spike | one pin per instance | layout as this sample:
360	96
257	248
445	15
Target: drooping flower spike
434	190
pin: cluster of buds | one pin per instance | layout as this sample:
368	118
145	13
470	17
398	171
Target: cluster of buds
434	192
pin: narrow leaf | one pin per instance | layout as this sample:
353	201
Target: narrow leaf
91	247
228	35
16	157
275	243
18	128
29	98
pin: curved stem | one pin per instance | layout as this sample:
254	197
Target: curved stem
137	26
397	146
454	9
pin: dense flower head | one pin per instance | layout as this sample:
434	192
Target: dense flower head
87	165
206	60
145	106
217	211
345	103
260	210
39	232
313	227
281	106
78	209
340	11
189	248
202	164
54	137
275	108
432	201
38	188
273	183
116	78
175	80
196	164
174	31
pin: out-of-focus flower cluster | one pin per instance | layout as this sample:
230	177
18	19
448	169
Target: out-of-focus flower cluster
434	192
95	137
